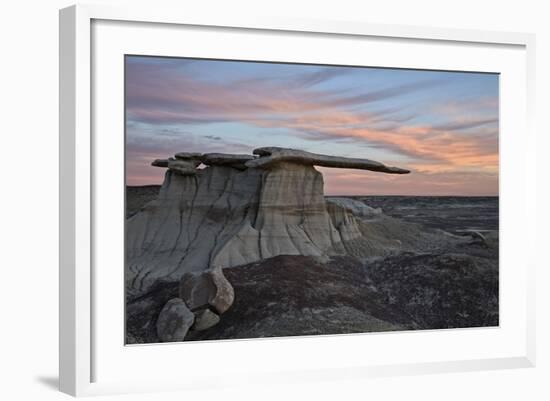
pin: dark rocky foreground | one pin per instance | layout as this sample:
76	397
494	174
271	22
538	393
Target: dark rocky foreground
299	295
448	280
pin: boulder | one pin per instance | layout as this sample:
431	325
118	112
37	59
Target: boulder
174	321
224	295
205	319
209	288
196	290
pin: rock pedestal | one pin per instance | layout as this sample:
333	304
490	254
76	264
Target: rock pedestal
239	209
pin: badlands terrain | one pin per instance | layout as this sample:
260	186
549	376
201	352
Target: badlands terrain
246	246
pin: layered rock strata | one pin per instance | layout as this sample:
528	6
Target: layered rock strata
227	210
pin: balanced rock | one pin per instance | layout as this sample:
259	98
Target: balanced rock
239	209
174	321
273	155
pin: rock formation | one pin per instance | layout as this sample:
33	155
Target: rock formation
270	156
241	209
300	263
205	319
203	297
208	289
174	321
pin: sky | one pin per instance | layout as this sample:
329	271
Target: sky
443	126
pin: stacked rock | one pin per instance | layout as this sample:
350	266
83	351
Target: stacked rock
203	297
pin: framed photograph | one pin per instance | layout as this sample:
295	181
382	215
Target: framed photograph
280	200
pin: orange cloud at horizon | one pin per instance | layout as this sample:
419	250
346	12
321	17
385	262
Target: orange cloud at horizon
354	182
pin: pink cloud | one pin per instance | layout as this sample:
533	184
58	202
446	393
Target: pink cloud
458	154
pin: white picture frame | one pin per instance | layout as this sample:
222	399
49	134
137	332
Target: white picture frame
80	343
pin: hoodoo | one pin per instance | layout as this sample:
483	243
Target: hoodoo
241	209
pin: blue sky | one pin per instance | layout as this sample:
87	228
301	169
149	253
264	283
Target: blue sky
441	125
